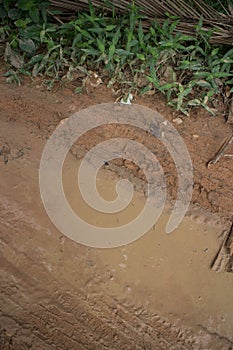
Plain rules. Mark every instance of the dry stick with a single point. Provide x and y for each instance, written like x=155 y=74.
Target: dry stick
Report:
x=56 y=18
x=220 y=152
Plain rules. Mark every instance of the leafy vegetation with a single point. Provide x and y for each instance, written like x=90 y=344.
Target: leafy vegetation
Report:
x=186 y=68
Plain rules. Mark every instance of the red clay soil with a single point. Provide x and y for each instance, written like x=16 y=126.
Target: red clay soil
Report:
x=44 y=307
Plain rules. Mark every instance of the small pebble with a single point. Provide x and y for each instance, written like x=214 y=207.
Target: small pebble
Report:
x=195 y=136
x=177 y=120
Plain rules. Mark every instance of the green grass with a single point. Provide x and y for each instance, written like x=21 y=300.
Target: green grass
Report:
x=188 y=70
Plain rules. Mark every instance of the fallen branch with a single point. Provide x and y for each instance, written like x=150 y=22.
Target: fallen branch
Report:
x=221 y=151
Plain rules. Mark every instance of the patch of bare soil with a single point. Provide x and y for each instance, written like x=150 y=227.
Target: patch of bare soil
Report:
x=202 y=133
x=56 y=294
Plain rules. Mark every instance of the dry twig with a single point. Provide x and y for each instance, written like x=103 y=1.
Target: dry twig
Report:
x=221 y=151
x=220 y=23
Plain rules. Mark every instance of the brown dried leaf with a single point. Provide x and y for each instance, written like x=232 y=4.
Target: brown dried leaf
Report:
x=12 y=57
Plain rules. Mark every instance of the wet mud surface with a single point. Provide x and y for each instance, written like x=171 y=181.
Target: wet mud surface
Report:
x=156 y=293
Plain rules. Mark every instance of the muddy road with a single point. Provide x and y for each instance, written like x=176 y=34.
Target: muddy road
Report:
x=156 y=293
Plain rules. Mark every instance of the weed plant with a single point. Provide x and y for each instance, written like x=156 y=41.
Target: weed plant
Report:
x=188 y=70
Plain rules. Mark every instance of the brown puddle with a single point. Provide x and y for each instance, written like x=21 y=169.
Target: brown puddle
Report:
x=166 y=272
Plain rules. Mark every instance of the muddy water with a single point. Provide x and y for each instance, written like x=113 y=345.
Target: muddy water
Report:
x=170 y=273
x=164 y=274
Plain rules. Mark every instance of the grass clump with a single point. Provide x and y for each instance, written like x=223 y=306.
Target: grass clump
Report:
x=187 y=69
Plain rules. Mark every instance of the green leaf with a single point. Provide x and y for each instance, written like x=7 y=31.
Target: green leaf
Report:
x=153 y=33
x=202 y=74
x=190 y=48
x=184 y=111
x=207 y=108
x=229 y=82
x=187 y=38
x=122 y=52
x=27 y=45
x=228 y=54
x=25 y=5
x=169 y=86
x=14 y=14
x=214 y=52
x=83 y=32
x=25 y=72
x=34 y=14
x=76 y=40
x=6 y=4
x=132 y=43
x=214 y=75
x=3 y=12
x=211 y=93
x=91 y=52
x=96 y=30
x=173 y=26
x=140 y=32
x=141 y=57
x=111 y=52
x=116 y=36
x=101 y=46
x=22 y=23
x=110 y=27
x=79 y=90
x=145 y=89
x=203 y=83
x=227 y=60
x=195 y=102
x=13 y=77
x=179 y=102
x=35 y=59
